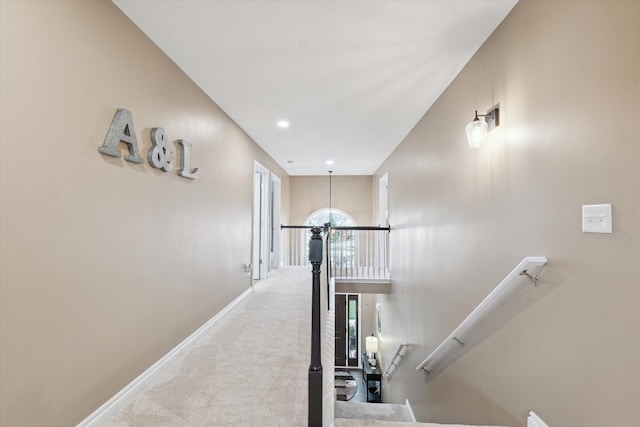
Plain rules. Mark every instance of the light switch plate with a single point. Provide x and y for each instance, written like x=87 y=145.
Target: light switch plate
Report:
x=596 y=219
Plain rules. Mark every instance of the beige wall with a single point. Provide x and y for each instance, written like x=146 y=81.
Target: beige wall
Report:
x=106 y=265
x=566 y=76
x=367 y=318
x=350 y=193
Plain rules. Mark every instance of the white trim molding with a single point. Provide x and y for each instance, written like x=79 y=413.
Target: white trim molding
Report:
x=408 y=405
x=124 y=396
x=534 y=420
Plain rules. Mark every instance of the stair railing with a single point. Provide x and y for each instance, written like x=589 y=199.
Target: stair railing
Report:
x=395 y=360
x=295 y=241
x=468 y=333
x=359 y=252
x=338 y=257
x=354 y=253
x=315 y=368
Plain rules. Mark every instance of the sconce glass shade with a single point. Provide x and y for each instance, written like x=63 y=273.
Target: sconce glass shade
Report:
x=477 y=133
x=372 y=344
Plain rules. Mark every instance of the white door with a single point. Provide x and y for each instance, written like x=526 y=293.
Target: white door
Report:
x=275 y=222
x=260 y=256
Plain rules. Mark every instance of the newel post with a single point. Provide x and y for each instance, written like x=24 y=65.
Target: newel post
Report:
x=315 y=368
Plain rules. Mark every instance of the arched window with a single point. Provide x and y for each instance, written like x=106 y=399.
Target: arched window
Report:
x=342 y=244
x=335 y=216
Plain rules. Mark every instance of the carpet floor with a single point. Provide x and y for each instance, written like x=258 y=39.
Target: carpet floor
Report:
x=227 y=378
x=372 y=411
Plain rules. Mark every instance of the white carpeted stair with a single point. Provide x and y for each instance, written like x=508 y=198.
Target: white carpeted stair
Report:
x=201 y=384
x=343 y=422
x=372 y=411
x=358 y=414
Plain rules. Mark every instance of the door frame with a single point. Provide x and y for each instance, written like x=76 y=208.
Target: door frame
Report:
x=275 y=200
x=384 y=200
x=341 y=308
x=354 y=362
x=260 y=236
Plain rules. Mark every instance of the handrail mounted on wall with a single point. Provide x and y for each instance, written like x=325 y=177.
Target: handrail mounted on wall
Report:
x=397 y=358
x=452 y=347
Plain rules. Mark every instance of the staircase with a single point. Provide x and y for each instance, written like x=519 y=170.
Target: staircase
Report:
x=371 y=411
x=199 y=384
x=358 y=414
x=343 y=422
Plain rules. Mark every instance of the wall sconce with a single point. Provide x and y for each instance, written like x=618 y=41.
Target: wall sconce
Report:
x=477 y=129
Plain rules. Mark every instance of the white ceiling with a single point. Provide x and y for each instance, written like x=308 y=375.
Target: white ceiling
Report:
x=352 y=77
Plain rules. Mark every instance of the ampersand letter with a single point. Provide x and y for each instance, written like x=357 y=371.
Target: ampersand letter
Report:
x=159 y=154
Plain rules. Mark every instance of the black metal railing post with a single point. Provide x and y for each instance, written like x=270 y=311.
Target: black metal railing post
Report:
x=315 y=368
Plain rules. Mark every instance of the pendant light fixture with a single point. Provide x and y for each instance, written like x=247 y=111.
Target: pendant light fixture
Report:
x=330 y=211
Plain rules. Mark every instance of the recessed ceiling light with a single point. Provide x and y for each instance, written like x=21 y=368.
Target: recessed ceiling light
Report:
x=289 y=161
x=283 y=124
x=329 y=162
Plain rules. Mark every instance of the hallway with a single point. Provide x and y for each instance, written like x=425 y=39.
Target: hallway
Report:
x=249 y=368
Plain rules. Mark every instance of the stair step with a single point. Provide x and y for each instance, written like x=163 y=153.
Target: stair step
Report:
x=343 y=422
x=372 y=411
x=359 y=414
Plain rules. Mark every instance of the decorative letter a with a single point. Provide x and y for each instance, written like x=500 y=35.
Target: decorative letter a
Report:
x=121 y=130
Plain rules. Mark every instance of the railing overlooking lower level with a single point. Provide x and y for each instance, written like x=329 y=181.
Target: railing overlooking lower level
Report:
x=321 y=368
x=354 y=253
x=295 y=245
x=315 y=367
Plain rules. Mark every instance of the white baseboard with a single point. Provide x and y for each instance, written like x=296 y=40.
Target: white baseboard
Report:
x=408 y=405
x=122 y=398
x=534 y=420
